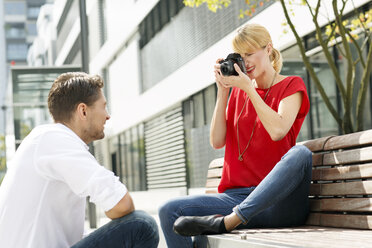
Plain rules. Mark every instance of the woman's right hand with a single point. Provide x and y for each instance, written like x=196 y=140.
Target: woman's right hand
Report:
x=217 y=73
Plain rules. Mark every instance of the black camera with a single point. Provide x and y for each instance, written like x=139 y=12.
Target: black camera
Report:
x=227 y=65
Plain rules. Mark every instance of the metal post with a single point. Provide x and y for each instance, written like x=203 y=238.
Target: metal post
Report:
x=85 y=68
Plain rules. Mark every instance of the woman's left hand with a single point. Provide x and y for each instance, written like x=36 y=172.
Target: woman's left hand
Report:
x=241 y=81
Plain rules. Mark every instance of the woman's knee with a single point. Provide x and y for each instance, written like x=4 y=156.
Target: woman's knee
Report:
x=303 y=153
x=167 y=209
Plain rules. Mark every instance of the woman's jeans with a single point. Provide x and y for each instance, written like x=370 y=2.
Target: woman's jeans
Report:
x=136 y=229
x=280 y=200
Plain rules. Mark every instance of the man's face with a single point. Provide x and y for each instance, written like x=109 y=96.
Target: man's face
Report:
x=96 y=118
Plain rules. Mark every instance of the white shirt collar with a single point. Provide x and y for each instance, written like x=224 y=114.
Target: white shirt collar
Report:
x=73 y=133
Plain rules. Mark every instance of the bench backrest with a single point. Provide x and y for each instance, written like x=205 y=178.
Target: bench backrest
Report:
x=341 y=189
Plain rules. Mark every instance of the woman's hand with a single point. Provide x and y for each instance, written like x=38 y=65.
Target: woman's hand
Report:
x=218 y=74
x=241 y=81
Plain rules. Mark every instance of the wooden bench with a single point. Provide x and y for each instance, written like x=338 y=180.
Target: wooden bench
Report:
x=340 y=199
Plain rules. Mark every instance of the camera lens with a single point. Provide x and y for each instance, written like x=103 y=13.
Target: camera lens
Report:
x=227 y=68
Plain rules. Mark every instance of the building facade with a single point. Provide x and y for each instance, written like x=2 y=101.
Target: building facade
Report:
x=157 y=57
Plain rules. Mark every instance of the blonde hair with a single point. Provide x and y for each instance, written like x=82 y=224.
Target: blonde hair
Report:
x=251 y=37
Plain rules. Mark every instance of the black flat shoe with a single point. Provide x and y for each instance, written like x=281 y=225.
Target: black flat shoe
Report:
x=199 y=225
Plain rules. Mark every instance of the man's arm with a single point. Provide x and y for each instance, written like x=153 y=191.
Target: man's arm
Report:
x=123 y=207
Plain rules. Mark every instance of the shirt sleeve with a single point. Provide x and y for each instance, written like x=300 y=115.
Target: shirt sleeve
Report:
x=60 y=156
x=296 y=84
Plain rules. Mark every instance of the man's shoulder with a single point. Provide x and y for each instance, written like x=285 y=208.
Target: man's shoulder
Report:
x=53 y=132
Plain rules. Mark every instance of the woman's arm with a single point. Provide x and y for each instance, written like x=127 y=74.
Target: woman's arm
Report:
x=218 y=123
x=277 y=124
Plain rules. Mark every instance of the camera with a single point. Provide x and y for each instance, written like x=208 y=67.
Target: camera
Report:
x=227 y=65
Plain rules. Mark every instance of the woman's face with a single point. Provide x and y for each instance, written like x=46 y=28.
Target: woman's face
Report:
x=256 y=62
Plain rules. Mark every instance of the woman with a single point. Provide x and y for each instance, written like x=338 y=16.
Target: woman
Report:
x=265 y=179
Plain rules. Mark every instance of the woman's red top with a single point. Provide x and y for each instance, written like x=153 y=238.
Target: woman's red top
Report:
x=262 y=153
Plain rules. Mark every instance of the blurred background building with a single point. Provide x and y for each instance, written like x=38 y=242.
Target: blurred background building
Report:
x=17 y=32
x=157 y=57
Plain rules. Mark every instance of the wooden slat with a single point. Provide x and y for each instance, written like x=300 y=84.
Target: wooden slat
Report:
x=342 y=204
x=295 y=237
x=344 y=188
x=317 y=159
x=211 y=191
x=343 y=173
x=315 y=145
x=214 y=173
x=349 y=140
x=348 y=157
x=216 y=163
x=213 y=183
x=340 y=220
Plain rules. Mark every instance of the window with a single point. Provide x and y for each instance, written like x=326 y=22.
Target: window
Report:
x=33 y=12
x=17 y=51
x=15 y=8
x=102 y=21
x=31 y=29
x=15 y=31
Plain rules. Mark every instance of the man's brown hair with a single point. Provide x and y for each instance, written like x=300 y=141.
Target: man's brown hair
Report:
x=71 y=89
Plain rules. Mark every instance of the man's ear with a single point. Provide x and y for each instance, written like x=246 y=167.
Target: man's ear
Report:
x=81 y=110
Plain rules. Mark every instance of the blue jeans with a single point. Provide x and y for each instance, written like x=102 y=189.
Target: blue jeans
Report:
x=136 y=229
x=280 y=200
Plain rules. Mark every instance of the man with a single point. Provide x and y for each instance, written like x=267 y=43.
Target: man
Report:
x=43 y=195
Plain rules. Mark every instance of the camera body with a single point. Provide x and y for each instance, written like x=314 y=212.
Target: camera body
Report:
x=227 y=65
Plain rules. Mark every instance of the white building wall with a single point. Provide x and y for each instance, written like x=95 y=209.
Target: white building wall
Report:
x=189 y=79
x=123 y=88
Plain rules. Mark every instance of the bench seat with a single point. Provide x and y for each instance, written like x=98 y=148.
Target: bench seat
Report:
x=304 y=236
x=340 y=199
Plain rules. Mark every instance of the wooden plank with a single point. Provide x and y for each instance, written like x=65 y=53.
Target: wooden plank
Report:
x=211 y=191
x=342 y=204
x=214 y=173
x=348 y=156
x=216 y=163
x=349 y=140
x=317 y=159
x=344 y=188
x=213 y=183
x=315 y=144
x=342 y=173
x=299 y=237
x=340 y=220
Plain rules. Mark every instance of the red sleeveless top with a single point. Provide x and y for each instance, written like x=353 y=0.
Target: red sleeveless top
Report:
x=262 y=153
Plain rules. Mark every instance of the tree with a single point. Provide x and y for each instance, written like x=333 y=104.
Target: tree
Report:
x=340 y=32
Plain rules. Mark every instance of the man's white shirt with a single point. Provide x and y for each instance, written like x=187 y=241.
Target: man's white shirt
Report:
x=43 y=195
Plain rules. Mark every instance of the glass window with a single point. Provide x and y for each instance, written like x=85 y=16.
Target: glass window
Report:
x=115 y=156
x=15 y=8
x=17 y=51
x=210 y=102
x=293 y=65
x=324 y=123
x=15 y=30
x=198 y=104
x=198 y=111
x=31 y=29
x=33 y=12
x=102 y=21
x=124 y=159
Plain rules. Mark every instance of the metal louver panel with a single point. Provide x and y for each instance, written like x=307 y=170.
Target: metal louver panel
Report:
x=165 y=151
